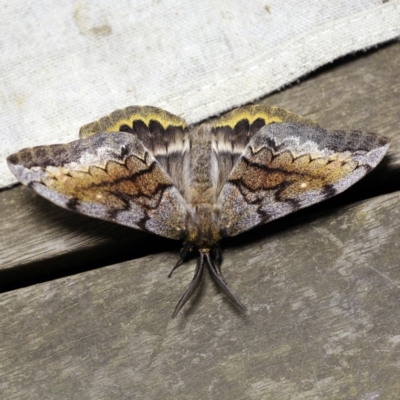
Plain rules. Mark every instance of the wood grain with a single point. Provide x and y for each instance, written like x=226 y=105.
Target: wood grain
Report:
x=323 y=321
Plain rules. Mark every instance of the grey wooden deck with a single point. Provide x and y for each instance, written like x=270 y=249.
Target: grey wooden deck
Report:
x=86 y=305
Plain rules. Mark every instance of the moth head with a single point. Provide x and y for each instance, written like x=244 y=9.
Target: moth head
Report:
x=203 y=226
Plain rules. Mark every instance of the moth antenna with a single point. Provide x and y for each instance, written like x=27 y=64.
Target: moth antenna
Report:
x=185 y=250
x=198 y=273
x=220 y=281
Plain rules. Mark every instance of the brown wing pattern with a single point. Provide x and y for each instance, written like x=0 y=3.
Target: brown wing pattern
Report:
x=111 y=176
x=286 y=167
x=232 y=132
x=164 y=134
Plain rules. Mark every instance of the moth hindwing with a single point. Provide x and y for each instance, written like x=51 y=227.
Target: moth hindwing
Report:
x=142 y=167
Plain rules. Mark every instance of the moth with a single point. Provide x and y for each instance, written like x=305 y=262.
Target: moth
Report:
x=144 y=168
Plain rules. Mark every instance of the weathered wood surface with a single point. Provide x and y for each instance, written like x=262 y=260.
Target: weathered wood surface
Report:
x=323 y=322
x=322 y=286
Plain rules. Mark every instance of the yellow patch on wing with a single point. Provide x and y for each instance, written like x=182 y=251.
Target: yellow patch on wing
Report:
x=269 y=114
x=128 y=116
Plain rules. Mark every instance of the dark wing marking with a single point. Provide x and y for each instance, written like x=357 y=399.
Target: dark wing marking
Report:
x=111 y=176
x=232 y=132
x=164 y=134
x=286 y=167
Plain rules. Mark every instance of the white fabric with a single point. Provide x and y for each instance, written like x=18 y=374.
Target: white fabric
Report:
x=66 y=63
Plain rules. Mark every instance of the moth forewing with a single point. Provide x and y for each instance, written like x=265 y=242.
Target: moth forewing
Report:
x=286 y=167
x=110 y=176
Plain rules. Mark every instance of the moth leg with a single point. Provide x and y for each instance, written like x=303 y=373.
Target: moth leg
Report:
x=193 y=285
x=185 y=251
x=220 y=281
x=217 y=255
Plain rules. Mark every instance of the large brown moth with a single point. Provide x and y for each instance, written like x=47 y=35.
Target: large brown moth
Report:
x=143 y=167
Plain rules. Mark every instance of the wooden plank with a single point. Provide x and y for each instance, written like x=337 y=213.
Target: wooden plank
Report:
x=324 y=320
x=41 y=241
x=361 y=92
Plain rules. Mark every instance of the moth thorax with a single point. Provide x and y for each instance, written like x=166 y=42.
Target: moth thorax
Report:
x=202 y=226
